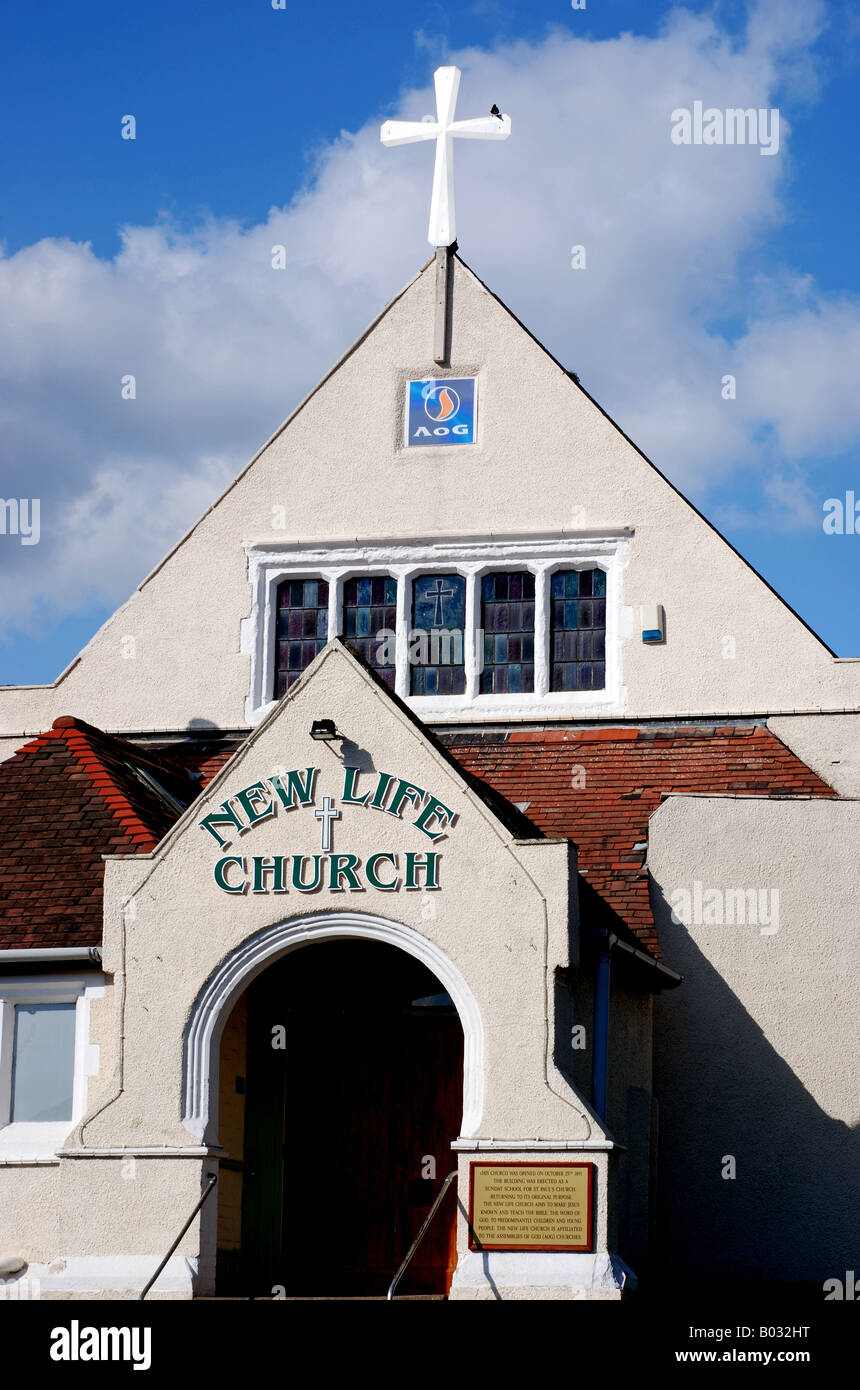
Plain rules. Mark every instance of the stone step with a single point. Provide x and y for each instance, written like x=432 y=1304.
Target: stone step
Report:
x=322 y=1298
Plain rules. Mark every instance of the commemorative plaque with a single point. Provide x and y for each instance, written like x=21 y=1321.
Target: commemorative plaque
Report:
x=530 y=1206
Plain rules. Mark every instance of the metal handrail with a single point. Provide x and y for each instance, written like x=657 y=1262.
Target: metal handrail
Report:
x=420 y=1236
x=213 y=1178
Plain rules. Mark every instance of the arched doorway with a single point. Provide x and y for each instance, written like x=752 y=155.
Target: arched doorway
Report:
x=341 y=1089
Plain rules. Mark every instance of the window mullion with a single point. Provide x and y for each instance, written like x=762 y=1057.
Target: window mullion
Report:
x=79 y=1075
x=404 y=609
x=335 y=604
x=7 y=1014
x=541 y=631
x=472 y=636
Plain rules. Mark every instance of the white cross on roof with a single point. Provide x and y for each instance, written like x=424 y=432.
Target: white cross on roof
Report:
x=443 y=130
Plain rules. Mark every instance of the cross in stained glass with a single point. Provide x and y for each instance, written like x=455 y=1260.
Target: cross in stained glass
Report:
x=439 y=594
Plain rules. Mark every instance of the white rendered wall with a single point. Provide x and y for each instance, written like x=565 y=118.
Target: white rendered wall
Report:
x=756 y=1053
x=828 y=743
x=548 y=463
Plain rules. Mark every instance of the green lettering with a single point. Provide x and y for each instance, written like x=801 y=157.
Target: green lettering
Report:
x=372 y=876
x=350 y=774
x=225 y=816
x=343 y=865
x=435 y=808
x=247 y=798
x=298 y=863
x=274 y=865
x=296 y=792
x=405 y=792
x=381 y=789
x=220 y=872
x=421 y=863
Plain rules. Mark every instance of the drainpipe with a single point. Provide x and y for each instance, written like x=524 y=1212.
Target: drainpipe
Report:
x=600 y=1063
x=668 y=979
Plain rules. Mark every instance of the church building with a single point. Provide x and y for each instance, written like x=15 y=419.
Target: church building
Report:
x=452 y=799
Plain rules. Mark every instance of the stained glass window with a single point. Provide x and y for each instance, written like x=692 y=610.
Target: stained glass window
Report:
x=508 y=622
x=436 y=645
x=302 y=628
x=578 y=631
x=370 y=621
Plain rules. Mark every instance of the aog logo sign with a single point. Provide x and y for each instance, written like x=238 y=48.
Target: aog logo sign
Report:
x=441 y=410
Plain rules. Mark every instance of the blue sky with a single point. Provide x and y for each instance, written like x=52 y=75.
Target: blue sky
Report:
x=257 y=125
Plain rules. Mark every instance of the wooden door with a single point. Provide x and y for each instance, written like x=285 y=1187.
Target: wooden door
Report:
x=346 y=1124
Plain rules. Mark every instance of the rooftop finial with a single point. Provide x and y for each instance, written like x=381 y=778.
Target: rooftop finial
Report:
x=442 y=231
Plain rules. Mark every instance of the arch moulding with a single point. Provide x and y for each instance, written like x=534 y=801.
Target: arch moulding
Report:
x=216 y=999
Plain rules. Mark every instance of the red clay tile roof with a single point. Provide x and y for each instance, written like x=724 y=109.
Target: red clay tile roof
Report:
x=71 y=791
x=203 y=756
x=67 y=798
x=599 y=787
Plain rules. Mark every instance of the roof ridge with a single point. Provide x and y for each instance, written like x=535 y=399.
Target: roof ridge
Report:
x=76 y=736
x=47 y=735
x=103 y=798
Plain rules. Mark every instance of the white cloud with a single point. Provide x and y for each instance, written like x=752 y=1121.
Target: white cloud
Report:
x=799 y=368
x=222 y=345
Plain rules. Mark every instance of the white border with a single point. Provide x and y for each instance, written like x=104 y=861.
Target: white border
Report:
x=472 y=559
x=34 y=1142
x=215 y=1001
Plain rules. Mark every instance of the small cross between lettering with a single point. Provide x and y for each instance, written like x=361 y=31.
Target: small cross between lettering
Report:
x=326 y=815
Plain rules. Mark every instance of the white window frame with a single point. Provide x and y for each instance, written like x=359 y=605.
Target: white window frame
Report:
x=35 y=1141
x=607 y=550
